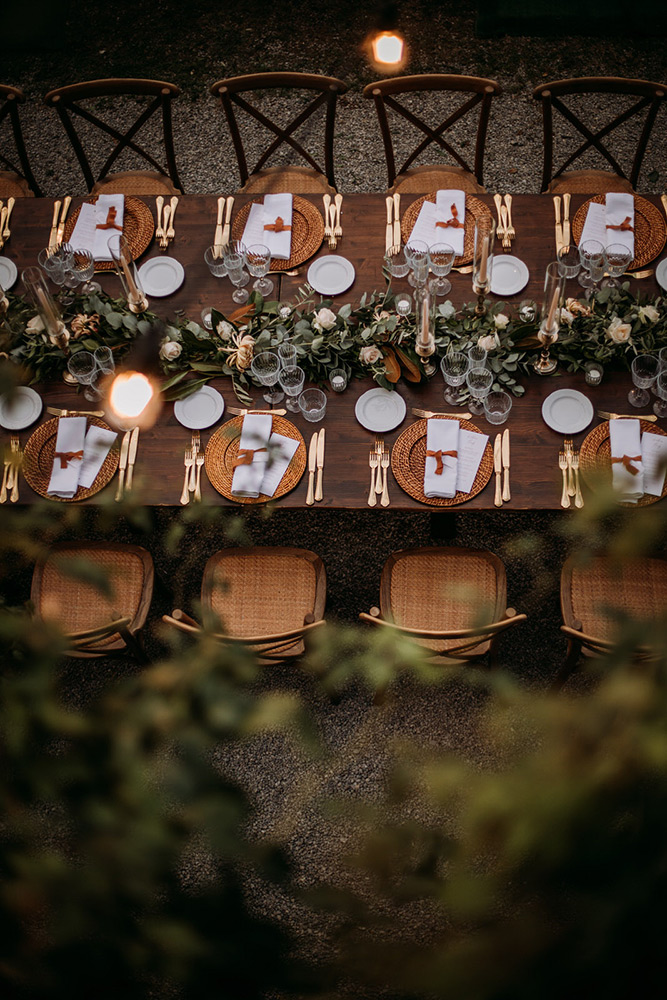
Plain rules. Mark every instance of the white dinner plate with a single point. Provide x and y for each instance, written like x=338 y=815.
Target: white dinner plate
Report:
x=509 y=275
x=380 y=410
x=331 y=275
x=20 y=408
x=660 y=274
x=8 y=273
x=161 y=276
x=201 y=409
x=567 y=411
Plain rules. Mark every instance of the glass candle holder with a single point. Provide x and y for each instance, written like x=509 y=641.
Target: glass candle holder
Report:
x=126 y=270
x=46 y=306
x=554 y=285
x=482 y=265
x=593 y=373
x=338 y=379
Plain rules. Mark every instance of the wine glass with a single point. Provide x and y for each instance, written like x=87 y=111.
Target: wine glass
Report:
x=397 y=262
x=617 y=259
x=83 y=367
x=266 y=369
x=442 y=257
x=479 y=382
x=52 y=264
x=291 y=379
x=477 y=356
x=660 y=388
x=83 y=266
x=417 y=255
x=104 y=360
x=645 y=369
x=454 y=367
x=233 y=258
x=591 y=255
x=287 y=354
x=258 y=260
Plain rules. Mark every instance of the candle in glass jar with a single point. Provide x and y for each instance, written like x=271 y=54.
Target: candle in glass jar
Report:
x=425 y=324
x=553 y=306
x=484 y=253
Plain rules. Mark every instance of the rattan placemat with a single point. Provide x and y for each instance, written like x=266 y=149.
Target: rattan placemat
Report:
x=223 y=448
x=650 y=232
x=307 y=231
x=408 y=458
x=138 y=228
x=474 y=209
x=595 y=460
x=38 y=462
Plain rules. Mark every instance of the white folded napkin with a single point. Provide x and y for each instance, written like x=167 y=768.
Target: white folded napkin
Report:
x=275 y=206
x=247 y=479
x=654 y=460
x=625 y=441
x=425 y=229
x=281 y=452
x=441 y=436
x=471 y=450
x=68 y=456
x=620 y=207
x=594 y=225
x=87 y=236
x=95 y=450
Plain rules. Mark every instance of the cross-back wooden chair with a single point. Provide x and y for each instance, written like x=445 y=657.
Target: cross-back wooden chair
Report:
x=265 y=598
x=96 y=624
x=162 y=179
x=591 y=181
x=451 y=601
x=295 y=179
x=476 y=96
x=591 y=592
x=18 y=180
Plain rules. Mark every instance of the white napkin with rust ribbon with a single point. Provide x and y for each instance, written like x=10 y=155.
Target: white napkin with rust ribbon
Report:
x=281 y=452
x=654 y=460
x=442 y=447
x=70 y=440
x=442 y=222
x=275 y=212
x=620 y=220
x=95 y=449
x=253 y=455
x=627 y=470
x=97 y=223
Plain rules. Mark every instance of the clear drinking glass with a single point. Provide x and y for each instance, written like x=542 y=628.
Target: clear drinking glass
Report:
x=477 y=356
x=662 y=358
x=53 y=265
x=258 y=260
x=497 y=406
x=83 y=266
x=479 y=382
x=287 y=354
x=645 y=369
x=416 y=253
x=397 y=262
x=591 y=255
x=403 y=303
x=313 y=404
x=291 y=379
x=83 y=367
x=266 y=369
x=442 y=257
x=215 y=264
x=569 y=261
x=454 y=367
x=617 y=260
x=660 y=406
x=104 y=360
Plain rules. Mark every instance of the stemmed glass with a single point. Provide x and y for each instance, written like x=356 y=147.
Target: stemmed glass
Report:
x=645 y=369
x=417 y=255
x=479 y=382
x=266 y=369
x=83 y=367
x=442 y=257
x=104 y=360
x=233 y=256
x=591 y=255
x=287 y=354
x=660 y=388
x=291 y=380
x=258 y=260
x=617 y=259
x=83 y=266
x=477 y=356
x=454 y=367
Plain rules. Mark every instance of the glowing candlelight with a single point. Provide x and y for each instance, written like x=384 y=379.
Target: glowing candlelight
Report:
x=388 y=49
x=130 y=394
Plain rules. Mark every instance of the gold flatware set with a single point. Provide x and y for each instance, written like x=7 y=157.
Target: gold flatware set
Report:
x=10 y=474
x=379 y=460
x=164 y=231
x=223 y=225
x=128 y=455
x=568 y=463
x=505 y=230
x=57 y=234
x=5 y=216
x=501 y=467
x=392 y=237
x=333 y=230
x=193 y=462
x=315 y=467
x=562 y=228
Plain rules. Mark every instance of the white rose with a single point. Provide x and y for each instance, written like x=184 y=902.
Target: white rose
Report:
x=35 y=325
x=224 y=330
x=370 y=354
x=170 y=350
x=649 y=313
x=325 y=319
x=618 y=331
x=501 y=321
x=566 y=317
x=285 y=311
x=487 y=343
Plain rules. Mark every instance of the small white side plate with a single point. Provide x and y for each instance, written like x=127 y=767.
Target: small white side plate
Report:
x=202 y=409
x=567 y=411
x=509 y=275
x=8 y=273
x=161 y=276
x=331 y=275
x=380 y=410
x=660 y=274
x=20 y=408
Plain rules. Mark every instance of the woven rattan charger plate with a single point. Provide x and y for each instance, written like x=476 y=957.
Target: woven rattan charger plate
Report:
x=650 y=233
x=38 y=462
x=595 y=460
x=138 y=229
x=408 y=458
x=307 y=231
x=223 y=448
x=475 y=209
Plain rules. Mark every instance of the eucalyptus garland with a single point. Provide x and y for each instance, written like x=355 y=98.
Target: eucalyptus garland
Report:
x=371 y=340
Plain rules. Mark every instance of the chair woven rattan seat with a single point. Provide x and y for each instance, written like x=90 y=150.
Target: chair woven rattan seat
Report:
x=422 y=180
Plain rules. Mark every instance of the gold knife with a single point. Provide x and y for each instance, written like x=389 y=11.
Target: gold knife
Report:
x=217 y=240
x=500 y=229
x=241 y=412
x=159 y=229
x=559 y=228
x=506 y=465
x=3 y=217
x=228 y=220
x=320 y=463
x=132 y=454
x=627 y=416
x=430 y=413
x=312 y=465
x=53 y=238
x=397 y=219
x=10 y=207
x=74 y=413
x=389 y=231
x=122 y=465
x=566 y=220
x=63 y=218
x=663 y=199
x=498 y=469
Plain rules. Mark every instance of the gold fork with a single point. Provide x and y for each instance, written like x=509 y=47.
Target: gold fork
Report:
x=379 y=448
x=333 y=242
x=195 y=452
x=373 y=462
x=578 y=497
x=166 y=214
x=511 y=232
x=17 y=456
x=384 y=462
x=562 y=465
x=5 y=477
x=569 y=451
x=199 y=461
x=159 y=230
x=338 y=229
x=171 y=233
x=507 y=242
x=188 y=461
x=500 y=229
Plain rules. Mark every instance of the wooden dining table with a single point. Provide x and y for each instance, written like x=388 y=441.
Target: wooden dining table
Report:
x=535 y=476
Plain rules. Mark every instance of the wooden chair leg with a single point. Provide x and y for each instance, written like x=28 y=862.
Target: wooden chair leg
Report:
x=134 y=645
x=570 y=665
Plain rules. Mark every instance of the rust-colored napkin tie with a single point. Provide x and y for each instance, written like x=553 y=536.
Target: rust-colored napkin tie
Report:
x=278 y=226
x=437 y=455
x=111 y=221
x=453 y=223
x=66 y=457
x=624 y=227
x=627 y=461
x=245 y=456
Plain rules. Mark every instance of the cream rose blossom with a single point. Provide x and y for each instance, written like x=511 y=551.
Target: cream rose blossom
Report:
x=170 y=350
x=618 y=331
x=648 y=313
x=487 y=343
x=566 y=317
x=370 y=354
x=501 y=321
x=324 y=319
x=224 y=330
x=35 y=325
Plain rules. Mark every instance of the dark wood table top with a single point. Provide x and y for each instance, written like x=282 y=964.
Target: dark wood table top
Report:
x=535 y=477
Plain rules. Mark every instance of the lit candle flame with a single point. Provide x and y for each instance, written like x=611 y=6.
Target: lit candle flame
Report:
x=388 y=48
x=130 y=394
